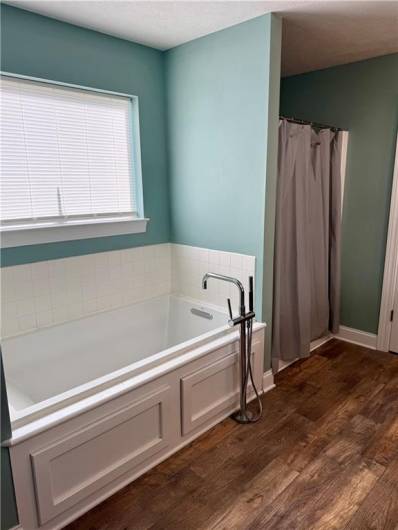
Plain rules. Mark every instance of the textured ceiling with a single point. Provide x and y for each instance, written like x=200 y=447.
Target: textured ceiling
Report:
x=315 y=34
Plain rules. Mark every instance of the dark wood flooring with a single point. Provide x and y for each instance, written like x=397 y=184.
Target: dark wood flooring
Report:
x=324 y=456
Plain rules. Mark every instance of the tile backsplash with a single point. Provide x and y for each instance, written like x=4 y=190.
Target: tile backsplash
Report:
x=189 y=264
x=51 y=292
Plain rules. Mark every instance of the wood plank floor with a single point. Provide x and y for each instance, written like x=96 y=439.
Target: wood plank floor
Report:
x=324 y=456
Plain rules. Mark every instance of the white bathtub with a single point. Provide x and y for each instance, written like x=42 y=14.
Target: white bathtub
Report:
x=50 y=367
x=97 y=402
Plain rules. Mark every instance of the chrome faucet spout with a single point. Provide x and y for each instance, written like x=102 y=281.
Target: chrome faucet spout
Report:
x=229 y=279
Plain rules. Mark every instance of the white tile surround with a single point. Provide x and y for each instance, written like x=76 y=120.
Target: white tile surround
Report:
x=55 y=291
x=50 y=292
x=189 y=264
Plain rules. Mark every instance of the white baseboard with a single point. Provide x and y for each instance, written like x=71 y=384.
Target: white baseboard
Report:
x=320 y=342
x=268 y=381
x=356 y=336
x=313 y=346
x=284 y=364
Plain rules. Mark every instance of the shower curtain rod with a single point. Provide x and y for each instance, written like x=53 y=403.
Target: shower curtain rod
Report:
x=312 y=123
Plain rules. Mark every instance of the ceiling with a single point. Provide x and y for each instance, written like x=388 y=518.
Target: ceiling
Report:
x=315 y=34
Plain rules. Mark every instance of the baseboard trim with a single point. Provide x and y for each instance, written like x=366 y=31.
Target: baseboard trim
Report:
x=313 y=346
x=320 y=342
x=356 y=336
x=284 y=364
x=268 y=381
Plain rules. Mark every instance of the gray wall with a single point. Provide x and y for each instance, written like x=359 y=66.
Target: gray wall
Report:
x=363 y=98
x=271 y=181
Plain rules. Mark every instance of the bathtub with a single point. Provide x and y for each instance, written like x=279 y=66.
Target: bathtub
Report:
x=96 y=402
x=51 y=367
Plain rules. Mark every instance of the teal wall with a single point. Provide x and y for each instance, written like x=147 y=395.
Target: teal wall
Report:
x=38 y=46
x=222 y=93
x=42 y=47
x=217 y=100
x=218 y=86
x=363 y=98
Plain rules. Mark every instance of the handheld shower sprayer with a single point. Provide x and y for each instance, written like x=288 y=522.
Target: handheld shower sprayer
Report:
x=250 y=293
x=245 y=322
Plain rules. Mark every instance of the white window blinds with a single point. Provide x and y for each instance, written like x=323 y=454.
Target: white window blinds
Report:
x=66 y=153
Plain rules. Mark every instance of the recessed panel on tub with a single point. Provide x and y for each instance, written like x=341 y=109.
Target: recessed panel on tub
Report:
x=209 y=391
x=78 y=465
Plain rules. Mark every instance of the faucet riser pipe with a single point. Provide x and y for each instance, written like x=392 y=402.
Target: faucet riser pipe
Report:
x=243 y=415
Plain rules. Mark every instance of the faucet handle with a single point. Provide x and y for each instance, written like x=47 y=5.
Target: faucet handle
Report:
x=251 y=306
x=229 y=308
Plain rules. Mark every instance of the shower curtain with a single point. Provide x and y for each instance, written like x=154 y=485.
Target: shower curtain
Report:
x=307 y=239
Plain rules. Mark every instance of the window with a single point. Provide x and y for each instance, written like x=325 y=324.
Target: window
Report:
x=67 y=157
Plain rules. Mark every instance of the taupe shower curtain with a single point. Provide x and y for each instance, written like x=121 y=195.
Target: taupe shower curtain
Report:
x=307 y=239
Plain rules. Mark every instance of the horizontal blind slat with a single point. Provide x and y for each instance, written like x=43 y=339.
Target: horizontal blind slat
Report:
x=65 y=152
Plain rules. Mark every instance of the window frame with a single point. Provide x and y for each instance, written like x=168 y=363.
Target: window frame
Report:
x=19 y=234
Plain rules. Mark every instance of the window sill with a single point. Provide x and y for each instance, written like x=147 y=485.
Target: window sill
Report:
x=17 y=236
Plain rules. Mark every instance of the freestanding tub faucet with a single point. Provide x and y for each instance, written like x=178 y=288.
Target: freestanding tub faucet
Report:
x=229 y=279
x=245 y=320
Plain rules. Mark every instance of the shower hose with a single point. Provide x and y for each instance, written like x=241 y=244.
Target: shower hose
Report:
x=255 y=417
